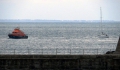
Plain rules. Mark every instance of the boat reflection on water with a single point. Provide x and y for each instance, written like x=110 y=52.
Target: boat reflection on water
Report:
x=18 y=34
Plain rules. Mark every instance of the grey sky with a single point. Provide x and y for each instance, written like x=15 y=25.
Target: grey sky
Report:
x=60 y=9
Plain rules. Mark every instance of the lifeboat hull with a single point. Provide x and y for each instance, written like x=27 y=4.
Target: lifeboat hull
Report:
x=17 y=37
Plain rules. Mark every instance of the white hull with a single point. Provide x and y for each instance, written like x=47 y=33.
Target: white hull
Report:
x=103 y=36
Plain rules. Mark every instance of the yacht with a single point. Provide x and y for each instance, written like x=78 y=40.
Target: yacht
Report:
x=102 y=34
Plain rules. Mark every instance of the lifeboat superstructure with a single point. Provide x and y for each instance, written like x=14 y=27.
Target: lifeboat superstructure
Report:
x=17 y=34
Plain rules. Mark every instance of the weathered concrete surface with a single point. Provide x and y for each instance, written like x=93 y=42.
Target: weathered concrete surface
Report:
x=118 y=47
x=60 y=62
x=117 y=51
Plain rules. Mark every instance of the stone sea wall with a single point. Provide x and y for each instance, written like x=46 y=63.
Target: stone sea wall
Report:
x=60 y=62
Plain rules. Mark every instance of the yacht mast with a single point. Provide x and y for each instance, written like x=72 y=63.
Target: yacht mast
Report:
x=101 y=18
x=103 y=35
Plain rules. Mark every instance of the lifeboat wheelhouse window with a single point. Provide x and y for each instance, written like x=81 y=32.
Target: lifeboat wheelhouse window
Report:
x=14 y=32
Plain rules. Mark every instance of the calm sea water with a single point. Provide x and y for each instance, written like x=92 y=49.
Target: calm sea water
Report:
x=61 y=37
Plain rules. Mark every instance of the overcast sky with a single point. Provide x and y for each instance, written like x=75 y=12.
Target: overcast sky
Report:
x=60 y=9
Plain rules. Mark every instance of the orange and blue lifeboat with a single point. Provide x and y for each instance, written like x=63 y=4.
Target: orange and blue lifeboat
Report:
x=17 y=34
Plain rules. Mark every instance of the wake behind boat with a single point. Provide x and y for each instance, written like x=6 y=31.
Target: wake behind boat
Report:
x=17 y=34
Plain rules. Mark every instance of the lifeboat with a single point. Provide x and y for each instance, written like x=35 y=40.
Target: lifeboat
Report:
x=17 y=34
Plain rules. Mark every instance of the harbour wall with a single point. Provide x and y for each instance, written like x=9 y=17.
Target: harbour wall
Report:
x=60 y=62
x=108 y=61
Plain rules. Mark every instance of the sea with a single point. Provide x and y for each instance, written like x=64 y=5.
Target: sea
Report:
x=59 y=38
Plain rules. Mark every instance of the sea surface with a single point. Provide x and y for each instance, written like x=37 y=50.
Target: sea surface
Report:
x=59 y=38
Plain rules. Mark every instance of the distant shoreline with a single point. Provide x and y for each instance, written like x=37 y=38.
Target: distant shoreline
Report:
x=2 y=20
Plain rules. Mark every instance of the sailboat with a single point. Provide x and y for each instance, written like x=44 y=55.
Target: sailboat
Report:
x=102 y=34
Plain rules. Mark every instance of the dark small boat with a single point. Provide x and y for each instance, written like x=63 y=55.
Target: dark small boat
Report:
x=17 y=34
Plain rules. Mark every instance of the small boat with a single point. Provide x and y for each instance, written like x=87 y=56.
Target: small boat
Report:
x=17 y=34
x=102 y=35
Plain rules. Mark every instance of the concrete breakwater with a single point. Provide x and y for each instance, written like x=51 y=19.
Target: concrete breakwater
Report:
x=60 y=62
x=108 y=61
